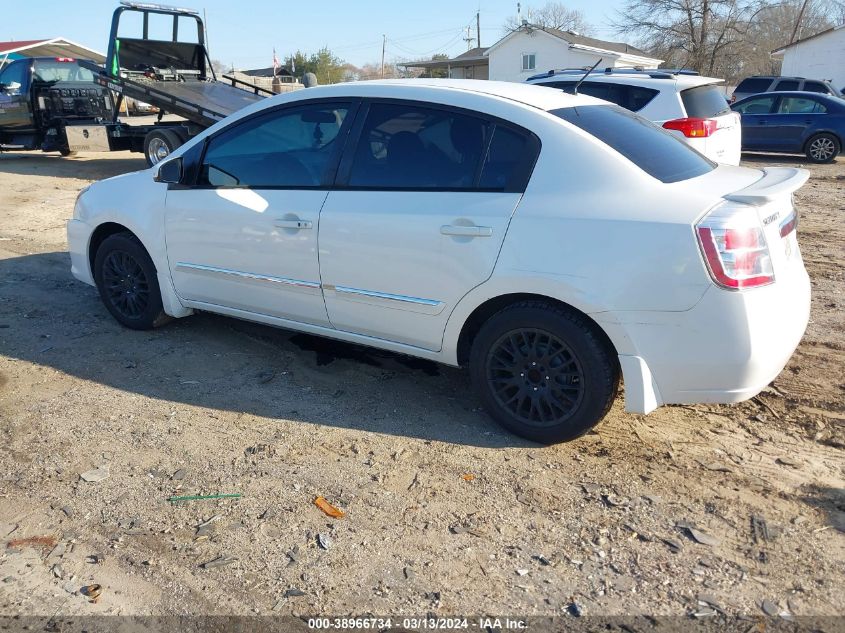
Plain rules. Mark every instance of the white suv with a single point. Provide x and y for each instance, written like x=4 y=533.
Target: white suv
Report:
x=691 y=106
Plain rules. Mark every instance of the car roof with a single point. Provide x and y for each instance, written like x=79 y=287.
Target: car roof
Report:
x=434 y=89
x=680 y=81
x=804 y=94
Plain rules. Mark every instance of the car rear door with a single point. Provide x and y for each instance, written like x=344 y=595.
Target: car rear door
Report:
x=244 y=237
x=794 y=114
x=417 y=217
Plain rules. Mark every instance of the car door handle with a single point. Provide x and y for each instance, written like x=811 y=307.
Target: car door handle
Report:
x=761 y=122
x=466 y=231
x=293 y=224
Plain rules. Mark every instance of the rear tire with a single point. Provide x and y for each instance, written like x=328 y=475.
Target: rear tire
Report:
x=128 y=283
x=822 y=148
x=159 y=144
x=543 y=372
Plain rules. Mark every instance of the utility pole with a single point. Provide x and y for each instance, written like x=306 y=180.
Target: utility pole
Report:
x=478 y=28
x=798 y=22
x=469 y=39
x=383 y=45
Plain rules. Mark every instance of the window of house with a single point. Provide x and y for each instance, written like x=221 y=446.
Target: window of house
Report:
x=290 y=148
x=529 y=61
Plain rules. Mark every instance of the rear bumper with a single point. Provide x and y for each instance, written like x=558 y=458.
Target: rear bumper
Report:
x=78 y=237
x=727 y=348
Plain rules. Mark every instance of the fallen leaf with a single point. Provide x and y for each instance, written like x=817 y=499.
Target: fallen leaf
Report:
x=33 y=541
x=468 y=476
x=329 y=509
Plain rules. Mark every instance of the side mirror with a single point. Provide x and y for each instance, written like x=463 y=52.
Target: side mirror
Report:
x=170 y=172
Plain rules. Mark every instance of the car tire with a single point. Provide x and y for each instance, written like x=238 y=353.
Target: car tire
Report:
x=544 y=372
x=128 y=282
x=159 y=144
x=822 y=148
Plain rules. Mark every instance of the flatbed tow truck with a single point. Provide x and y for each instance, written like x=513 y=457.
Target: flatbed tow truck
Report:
x=173 y=74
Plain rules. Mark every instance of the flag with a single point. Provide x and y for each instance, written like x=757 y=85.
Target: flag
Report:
x=276 y=65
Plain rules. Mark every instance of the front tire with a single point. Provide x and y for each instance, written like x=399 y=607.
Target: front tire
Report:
x=822 y=148
x=543 y=372
x=128 y=283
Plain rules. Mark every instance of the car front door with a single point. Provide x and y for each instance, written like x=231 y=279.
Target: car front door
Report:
x=15 y=110
x=244 y=236
x=417 y=217
x=756 y=121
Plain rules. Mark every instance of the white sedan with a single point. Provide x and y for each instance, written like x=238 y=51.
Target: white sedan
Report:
x=553 y=243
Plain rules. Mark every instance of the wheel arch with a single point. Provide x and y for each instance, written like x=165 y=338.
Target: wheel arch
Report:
x=818 y=132
x=99 y=235
x=472 y=324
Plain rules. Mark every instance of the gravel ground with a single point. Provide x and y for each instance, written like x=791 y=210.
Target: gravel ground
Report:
x=740 y=508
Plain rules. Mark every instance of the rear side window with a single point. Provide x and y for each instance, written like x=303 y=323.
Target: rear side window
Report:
x=816 y=86
x=289 y=148
x=405 y=146
x=787 y=84
x=797 y=105
x=754 y=85
x=654 y=150
x=632 y=98
x=704 y=101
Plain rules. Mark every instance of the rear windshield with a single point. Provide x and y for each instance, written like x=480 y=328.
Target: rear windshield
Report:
x=53 y=71
x=654 y=150
x=705 y=101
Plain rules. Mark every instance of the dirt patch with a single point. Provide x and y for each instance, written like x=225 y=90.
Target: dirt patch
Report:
x=739 y=504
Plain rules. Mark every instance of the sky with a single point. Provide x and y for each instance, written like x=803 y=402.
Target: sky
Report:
x=244 y=33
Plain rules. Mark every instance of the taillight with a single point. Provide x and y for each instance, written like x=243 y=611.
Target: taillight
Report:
x=693 y=127
x=735 y=248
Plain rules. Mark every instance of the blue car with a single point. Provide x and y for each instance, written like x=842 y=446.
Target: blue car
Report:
x=793 y=123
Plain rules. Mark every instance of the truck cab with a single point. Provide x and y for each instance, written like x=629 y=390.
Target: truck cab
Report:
x=41 y=96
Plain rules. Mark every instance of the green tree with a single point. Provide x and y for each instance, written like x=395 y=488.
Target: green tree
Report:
x=437 y=73
x=328 y=68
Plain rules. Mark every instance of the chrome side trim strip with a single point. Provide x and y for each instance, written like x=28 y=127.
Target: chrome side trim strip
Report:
x=237 y=273
x=384 y=295
x=387 y=300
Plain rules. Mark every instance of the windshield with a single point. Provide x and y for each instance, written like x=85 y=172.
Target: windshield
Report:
x=55 y=71
x=654 y=150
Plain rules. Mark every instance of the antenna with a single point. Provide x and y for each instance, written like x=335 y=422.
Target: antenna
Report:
x=580 y=81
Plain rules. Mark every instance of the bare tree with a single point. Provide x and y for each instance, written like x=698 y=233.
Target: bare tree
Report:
x=554 y=15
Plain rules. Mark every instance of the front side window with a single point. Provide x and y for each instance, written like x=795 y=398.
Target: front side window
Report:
x=529 y=61
x=797 y=105
x=763 y=105
x=405 y=146
x=14 y=77
x=290 y=148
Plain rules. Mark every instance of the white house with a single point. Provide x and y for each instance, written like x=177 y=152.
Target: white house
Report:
x=820 y=56
x=531 y=49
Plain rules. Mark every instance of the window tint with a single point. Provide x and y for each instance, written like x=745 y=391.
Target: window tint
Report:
x=797 y=105
x=652 y=149
x=53 y=71
x=754 y=85
x=403 y=146
x=406 y=147
x=632 y=98
x=816 y=86
x=14 y=76
x=510 y=160
x=761 y=105
x=292 y=148
x=705 y=101
x=787 y=84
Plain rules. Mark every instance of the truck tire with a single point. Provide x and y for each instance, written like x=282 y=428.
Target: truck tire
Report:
x=159 y=144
